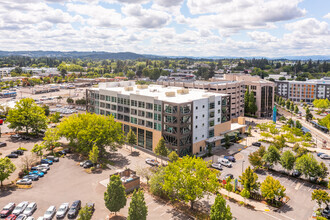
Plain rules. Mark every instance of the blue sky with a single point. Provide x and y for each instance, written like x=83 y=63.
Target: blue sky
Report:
x=269 y=28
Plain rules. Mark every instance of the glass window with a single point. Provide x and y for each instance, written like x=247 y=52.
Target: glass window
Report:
x=141 y=137
x=149 y=105
x=149 y=140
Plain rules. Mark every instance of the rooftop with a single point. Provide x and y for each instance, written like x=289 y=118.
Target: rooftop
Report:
x=169 y=94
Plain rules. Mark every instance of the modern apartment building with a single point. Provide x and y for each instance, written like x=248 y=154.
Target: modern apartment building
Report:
x=188 y=119
x=306 y=91
x=235 y=85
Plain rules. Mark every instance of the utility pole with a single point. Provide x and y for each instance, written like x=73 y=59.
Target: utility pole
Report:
x=243 y=165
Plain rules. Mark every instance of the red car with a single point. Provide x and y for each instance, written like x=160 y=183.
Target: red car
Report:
x=7 y=210
x=11 y=217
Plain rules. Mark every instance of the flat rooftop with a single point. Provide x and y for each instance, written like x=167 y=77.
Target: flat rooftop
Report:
x=169 y=94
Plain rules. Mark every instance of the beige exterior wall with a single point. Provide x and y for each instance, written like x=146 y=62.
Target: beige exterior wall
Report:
x=196 y=146
x=156 y=135
x=220 y=128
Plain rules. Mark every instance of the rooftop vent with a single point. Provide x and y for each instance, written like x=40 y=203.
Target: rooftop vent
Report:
x=142 y=86
x=170 y=94
x=129 y=88
x=183 y=91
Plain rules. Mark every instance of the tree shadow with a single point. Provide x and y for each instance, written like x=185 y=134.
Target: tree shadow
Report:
x=178 y=215
x=284 y=209
x=134 y=154
x=117 y=159
x=6 y=191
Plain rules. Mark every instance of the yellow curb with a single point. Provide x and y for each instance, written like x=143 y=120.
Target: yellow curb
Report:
x=239 y=149
x=267 y=210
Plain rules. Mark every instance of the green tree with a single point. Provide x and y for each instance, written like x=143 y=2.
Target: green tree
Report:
x=321 y=104
x=249 y=180
x=296 y=109
x=272 y=189
x=86 y=130
x=272 y=155
x=245 y=193
x=309 y=115
x=38 y=149
x=182 y=179
x=69 y=100
x=287 y=160
x=252 y=104
x=288 y=104
x=173 y=156
x=308 y=165
x=219 y=210
x=131 y=138
x=115 y=196
x=321 y=196
x=85 y=213
x=27 y=116
x=51 y=139
x=291 y=107
x=255 y=160
x=323 y=171
x=138 y=209
x=227 y=141
x=161 y=150
x=249 y=131
x=6 y=168
x=298 y=124
x=280 y=142
x=246 y=101
x=94 y=154
x=55 y=118
x=229 y=186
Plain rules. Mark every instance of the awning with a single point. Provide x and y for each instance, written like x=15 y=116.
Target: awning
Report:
x=214 y=139
x=234 y=127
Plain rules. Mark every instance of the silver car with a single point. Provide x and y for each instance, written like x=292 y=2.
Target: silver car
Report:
x=30 y=209
x=49 y=214
x=225 y=162
x=62 y=210
x=30 y=218
x=21 y=217
x=216 y=166
x=20 y=208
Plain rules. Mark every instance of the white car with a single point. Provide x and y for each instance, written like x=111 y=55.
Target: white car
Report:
x=20 y=208
x=225 y=162
x=45 y=166
x=24 y=182
x=30 y=218
x=152 y=162
x=30 y=209
x=325 y=156
x=49 y=214
x=62 y=210
x=216 y=166
x=21 y=217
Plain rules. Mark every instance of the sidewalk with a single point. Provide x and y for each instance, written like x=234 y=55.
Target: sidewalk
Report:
x=257 y=205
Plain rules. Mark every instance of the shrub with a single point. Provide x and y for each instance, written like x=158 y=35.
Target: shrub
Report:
x=22 y=148
x=241 y=203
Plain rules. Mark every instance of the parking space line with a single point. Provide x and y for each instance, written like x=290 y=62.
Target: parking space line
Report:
x=150 y=203
x=157 y=207
x=271 y=216
x=163 y=213
x=286 y=216
x=297 y=186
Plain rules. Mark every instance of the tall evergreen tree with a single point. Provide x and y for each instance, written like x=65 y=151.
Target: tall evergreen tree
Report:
x=115 y=196
x=219 y=210
x=131 y=138
x=138 y=209
x=252 y=103
x=161 y=149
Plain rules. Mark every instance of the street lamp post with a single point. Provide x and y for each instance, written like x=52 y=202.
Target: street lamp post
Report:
x=243 y=165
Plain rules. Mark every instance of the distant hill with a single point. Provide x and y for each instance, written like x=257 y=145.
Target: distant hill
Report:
x=134 y=56
x=75 y=54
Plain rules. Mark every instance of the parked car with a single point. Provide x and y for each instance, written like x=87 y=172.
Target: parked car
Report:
x=225 y=162
x=41 y=218
x=12 y=156
x=44 y=166
x=152 y=162
x=229 y=175
x=52 y=158
x=216 y=166
x=49 y=214
x=30 y=209
x=30 y=218
x=313 y=179
x=62 y=210
x=257 y=144
x=74 y=209
x=18 y=152
x=230 y=158
x=62 y=152
x=11 y=217
x=20 y=208
x=7 y=210
x=21 y=217
x=319 y=154
x=325 y=156
x=40 y=169
x=24 y=182
x=32 y=177
x=41 y=174
x=296 y=173
x=91 y=207
x=86 y=161
x=326 y=212
x=46 y=161
x=3 y=144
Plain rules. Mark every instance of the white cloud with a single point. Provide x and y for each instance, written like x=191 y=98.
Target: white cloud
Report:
x=263 y=37
x=327 y=16
x=310 y=26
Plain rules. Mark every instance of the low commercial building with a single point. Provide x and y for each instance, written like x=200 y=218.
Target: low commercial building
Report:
x=305 y=91
x=189 y=120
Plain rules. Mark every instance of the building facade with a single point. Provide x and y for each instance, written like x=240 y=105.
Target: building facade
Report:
x=306 y=91
x=235 y=85
x=187 y=119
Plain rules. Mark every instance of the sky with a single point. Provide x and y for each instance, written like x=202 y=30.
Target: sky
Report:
x=199 y=28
